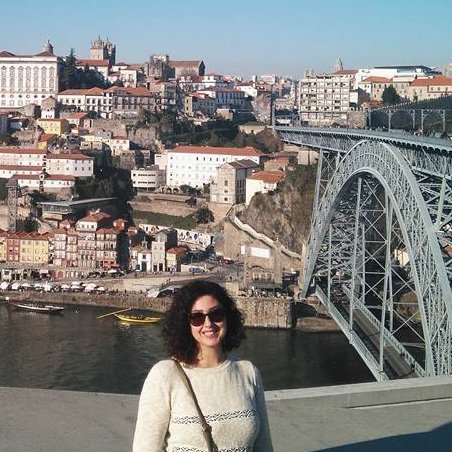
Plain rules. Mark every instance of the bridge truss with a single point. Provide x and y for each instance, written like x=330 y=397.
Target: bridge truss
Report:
x=380 y=250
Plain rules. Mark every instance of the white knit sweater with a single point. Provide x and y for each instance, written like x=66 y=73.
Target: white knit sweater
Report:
x=231 y=398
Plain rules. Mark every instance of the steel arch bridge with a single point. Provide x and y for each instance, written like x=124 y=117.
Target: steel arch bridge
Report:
x=379 y=255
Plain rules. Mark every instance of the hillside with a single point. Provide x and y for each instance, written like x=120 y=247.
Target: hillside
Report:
x=285 y=214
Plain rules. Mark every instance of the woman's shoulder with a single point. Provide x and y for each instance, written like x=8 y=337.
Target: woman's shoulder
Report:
x=162 y=369
x=244 y=366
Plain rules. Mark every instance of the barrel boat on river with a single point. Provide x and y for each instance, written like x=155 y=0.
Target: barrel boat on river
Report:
x=136 y=318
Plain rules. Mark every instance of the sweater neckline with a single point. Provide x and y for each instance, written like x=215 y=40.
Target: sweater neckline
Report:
x=224 y=365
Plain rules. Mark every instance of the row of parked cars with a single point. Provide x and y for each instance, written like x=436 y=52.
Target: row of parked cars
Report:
x=74 y=286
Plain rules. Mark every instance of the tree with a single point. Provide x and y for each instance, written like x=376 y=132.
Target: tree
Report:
x=390 y=96
x=69 y=77
x=203 y=215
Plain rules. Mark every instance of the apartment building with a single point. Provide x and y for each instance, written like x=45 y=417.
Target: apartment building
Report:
x=325 y=99
x=76 y=165
x=197 y=165
x=94 y=99
x=149 y=178
x=25 y=248
x=230 y=184
x=53 y=126
x=27 y=79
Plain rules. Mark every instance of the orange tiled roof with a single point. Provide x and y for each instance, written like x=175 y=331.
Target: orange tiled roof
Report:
x=95 y=216
x=435 y=81
x=103 y=63
x=269 y=177
x=18 y=150
x=374 y=79
x=21 y=167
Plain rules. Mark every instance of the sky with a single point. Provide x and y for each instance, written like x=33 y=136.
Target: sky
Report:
x=239 y=37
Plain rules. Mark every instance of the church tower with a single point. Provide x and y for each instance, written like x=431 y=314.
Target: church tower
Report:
x=103 y=50
x=338 y=66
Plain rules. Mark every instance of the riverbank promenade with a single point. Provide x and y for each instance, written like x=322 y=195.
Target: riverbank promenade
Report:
x=406 y=415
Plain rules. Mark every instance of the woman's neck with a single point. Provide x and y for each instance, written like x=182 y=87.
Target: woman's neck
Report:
x=210 y=357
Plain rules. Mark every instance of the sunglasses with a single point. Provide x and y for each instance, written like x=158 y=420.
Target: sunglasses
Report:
x=215 y=316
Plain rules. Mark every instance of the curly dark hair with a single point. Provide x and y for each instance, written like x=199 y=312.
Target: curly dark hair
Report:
x=176 y=326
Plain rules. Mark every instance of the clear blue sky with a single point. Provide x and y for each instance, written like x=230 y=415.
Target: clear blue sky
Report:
x=240 y=37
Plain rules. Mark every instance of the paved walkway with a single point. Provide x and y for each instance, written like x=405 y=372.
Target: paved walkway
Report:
x=408 y=415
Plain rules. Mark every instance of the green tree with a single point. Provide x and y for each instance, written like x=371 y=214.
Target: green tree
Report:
x=69 y=74
x=390 y=96
x=203 y=215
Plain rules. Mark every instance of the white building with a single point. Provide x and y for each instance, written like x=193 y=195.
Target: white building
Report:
x=262 y=182
x=324 y=99
x=45 y=182
x=230 y=184
x=225 y=97
x=26 y=79
x=94 y=99
x=26 y=157
x=77 y=165
x=149 y=178
x=395 y=72
x=197 y=165
x=117 y=145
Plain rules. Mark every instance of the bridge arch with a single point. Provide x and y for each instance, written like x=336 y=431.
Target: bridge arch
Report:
x=377 y=170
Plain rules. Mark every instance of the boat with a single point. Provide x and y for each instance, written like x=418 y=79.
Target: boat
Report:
x=36 y=307
x=136 y=318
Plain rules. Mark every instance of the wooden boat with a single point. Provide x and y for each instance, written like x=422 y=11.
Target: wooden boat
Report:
x=136 y=318
x=36 y=307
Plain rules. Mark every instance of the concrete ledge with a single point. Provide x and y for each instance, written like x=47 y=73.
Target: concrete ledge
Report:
x=412 y=415
x=371 y=394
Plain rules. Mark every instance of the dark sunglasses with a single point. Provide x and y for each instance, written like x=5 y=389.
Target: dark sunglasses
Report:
x=215 y=316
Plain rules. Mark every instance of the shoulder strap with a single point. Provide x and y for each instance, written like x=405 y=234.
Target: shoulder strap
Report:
x=206 y=428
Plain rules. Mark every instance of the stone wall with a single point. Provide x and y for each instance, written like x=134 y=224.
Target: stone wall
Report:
x=258 y=312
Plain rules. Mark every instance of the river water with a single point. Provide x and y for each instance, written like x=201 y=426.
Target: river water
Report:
x=77 y=351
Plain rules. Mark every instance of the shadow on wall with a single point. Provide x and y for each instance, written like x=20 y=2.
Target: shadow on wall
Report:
x=437 y=440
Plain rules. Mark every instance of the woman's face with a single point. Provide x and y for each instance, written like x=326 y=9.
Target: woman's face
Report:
x=211 y=331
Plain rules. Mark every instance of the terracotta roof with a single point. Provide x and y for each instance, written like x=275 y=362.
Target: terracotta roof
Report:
x=107 y=231
x=17 y=150
x=47 y=137
x=21 y=167
x=139 y=91
x=82 y=92
x=78 y=115
x=435 y=81
x=95 y=217
x=245 y=152
x=346 y=72
x=47 y=177
x=177 y=250
x=69 y=157
x=103 y=63
x=374 y=79
x=270 y=177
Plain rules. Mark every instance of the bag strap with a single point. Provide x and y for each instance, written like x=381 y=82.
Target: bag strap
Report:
x=206 y=428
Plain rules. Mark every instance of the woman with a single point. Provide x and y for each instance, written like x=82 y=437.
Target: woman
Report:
x=201 y=327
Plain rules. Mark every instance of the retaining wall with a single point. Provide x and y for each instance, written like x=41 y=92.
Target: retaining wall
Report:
x=258 y=312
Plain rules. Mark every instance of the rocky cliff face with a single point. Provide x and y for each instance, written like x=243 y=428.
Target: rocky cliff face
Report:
x=285 y=214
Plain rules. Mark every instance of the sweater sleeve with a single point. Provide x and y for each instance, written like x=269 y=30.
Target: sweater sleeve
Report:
x=263 y=441
x=153 y=412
